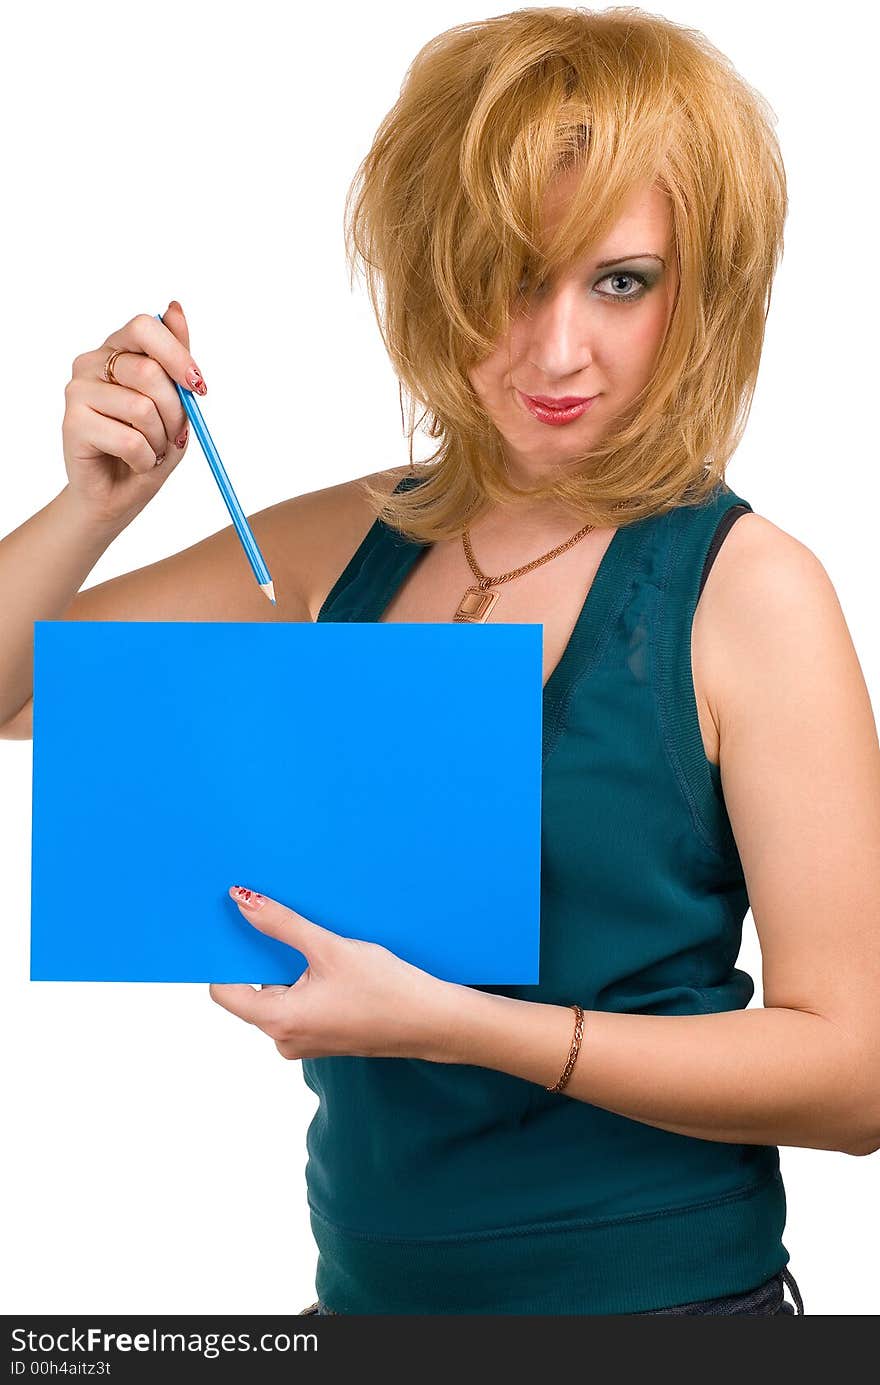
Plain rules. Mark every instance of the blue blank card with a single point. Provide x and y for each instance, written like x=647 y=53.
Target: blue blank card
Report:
x=383 y=779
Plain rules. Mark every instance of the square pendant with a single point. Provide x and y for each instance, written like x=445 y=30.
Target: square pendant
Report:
x=475 y=605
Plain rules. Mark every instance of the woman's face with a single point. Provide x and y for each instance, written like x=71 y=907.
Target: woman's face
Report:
x=595 y=333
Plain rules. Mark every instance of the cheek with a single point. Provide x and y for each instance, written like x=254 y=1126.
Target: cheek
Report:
x=488 y=376
x=642 y=338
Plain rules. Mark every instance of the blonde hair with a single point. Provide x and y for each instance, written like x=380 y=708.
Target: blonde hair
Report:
x=447 y=213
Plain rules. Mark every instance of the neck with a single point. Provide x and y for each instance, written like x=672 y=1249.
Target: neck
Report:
x=529 y=520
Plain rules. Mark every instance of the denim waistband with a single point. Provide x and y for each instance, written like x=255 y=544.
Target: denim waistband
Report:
x=764 y=1301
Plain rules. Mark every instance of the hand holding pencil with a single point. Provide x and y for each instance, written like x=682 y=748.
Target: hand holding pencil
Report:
x=129 y=406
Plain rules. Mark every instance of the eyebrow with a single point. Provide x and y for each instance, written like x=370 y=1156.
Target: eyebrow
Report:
x=620 y=258
x=646 y=255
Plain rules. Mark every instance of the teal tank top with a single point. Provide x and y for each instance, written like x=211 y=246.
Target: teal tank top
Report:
x=453 y=1188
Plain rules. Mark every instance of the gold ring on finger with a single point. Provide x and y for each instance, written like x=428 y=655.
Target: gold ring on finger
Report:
x=108 y=366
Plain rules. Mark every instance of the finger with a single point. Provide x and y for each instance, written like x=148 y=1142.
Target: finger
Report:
x=147 y=335
x=140 y=413
x=176 y=322
x=127 y=443
x=140 y=378
x=278 y=921
x=242 y=1001
x=152 y=360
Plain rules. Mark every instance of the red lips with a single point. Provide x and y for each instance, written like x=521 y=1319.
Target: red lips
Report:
x=565 y=401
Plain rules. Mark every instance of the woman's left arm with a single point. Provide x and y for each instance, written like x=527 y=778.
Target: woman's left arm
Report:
x=800 y=767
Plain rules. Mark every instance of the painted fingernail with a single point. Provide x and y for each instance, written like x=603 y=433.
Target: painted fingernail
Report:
x=195 y=381
x=160 y=459
x=249 y=899
x=181 y=441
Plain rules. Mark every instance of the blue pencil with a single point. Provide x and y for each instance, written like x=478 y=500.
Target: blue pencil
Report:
x=236 y=513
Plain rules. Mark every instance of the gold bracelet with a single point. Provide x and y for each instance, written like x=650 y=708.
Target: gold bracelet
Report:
x=573 y=1053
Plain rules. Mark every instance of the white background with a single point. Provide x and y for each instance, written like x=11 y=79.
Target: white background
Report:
x=154 y=1148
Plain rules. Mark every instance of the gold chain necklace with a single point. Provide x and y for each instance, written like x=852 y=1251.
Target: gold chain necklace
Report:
x=478 y=601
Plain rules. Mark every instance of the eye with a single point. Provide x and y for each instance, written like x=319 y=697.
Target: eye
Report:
x=524 y=287
x=634 y=278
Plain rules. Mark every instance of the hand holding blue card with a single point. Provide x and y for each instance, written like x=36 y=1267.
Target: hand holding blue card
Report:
x=357 y=998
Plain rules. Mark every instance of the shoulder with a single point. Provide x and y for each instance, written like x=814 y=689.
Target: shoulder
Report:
x=756 y=552
x=324 y=528
x=767 y=617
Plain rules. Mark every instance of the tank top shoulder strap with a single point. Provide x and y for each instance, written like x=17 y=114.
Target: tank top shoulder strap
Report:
x=362 y=589
x=693 y=535
x=726 y=522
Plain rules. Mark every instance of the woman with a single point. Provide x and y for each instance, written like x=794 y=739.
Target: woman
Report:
x=561 y=204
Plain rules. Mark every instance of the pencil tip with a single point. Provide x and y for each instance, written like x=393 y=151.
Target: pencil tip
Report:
x=269 y=589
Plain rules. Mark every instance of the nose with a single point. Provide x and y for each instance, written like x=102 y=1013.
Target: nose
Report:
x=560 y=344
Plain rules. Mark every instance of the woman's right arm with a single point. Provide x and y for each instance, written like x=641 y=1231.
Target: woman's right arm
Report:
x=44 y=563
x=122 y=437
x=113 y=433
x=306 y=541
